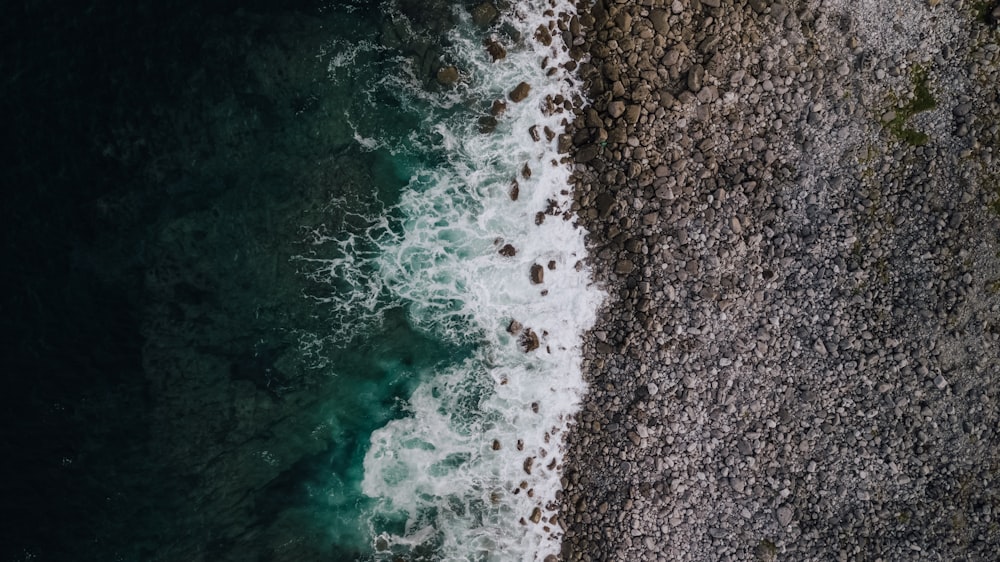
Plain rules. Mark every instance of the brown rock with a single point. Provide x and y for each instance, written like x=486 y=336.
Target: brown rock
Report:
x=498 y=108
x=447 y=75
x=552 y=265
x=519 y=92
x=514 y=327
x=496 y=445
x=616 y=109
x=624 y=267
x=529 y=342
x=587 y=153
x=528 y=463
x=537 y=274
x=526 y=171
x=533 y=131
x=543 y=36
x=660 y=20
x=536 y=515
x=515 y=190
x=508 y=251
x=496 y=50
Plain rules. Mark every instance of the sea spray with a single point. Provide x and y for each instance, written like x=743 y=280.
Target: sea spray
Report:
x=482 y=252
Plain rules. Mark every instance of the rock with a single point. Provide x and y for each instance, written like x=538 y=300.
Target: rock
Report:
x=526 y=171
x=940 y=382
x=759 y=6
x=508 y=251
x=529 y=342
x=784 y=515
x=498 y=108
x=519 y=92
x=695 y=78
x=616 y=109
x=515 y=190
x=565 y=143
x=624 y=267
x=447 y=75
x=660 y=20
x=543 y=36
x=605 y=203
x=496 y=445
x=484 y=14
x=487 y=124
x=712 y=3
x=536 y=515
x=587 y=153
x=528 y=463
x=537 y=274
x=514 y=327
x=496 y=50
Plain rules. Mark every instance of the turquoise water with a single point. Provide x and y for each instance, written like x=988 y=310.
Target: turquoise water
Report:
x=458 y=455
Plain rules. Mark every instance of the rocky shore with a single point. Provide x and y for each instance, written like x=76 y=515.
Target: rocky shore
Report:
x=794 y=208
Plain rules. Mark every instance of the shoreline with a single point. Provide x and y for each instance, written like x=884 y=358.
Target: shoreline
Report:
x=790 y=207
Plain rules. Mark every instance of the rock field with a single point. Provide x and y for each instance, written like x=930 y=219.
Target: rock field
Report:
x=794 y=209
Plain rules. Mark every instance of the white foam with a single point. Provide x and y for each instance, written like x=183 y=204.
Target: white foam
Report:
x=437 y=467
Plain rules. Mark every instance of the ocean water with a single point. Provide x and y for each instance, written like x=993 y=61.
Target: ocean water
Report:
x=273 y=296
x=468 y=467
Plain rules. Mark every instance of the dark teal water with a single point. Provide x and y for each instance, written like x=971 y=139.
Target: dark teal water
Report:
x=252 y=307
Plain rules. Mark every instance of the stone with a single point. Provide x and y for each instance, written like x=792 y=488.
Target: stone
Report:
x=616 y=109
x=496 y=50
x=520 y=92
x=940 y=382
x=605 y=203
x=536 y=515
x=529 y=342
x=537 y=274
x=543 y=36
x=508 y=251
x=447 y=75
x=784 y=515
x=660 y=20
x=695 y=78
x=624 y=267
x=484 y=14
x=587 y=153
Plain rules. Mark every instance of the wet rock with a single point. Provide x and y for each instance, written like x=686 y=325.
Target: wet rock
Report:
x=529 y=340
x=536 y=515
x=543 y=36
x=496 y=50
x=508 y=251
x=520 y=92
x=484 y=14
x=537 y=274
x=498 y=108
x=447 y=75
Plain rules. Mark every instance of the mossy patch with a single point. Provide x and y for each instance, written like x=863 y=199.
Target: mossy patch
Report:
x=922 y=100
x=982 y=10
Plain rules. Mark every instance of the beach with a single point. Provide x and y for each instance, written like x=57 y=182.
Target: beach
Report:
x=793 y=208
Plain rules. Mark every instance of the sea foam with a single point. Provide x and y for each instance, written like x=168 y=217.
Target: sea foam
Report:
x=472 y=470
